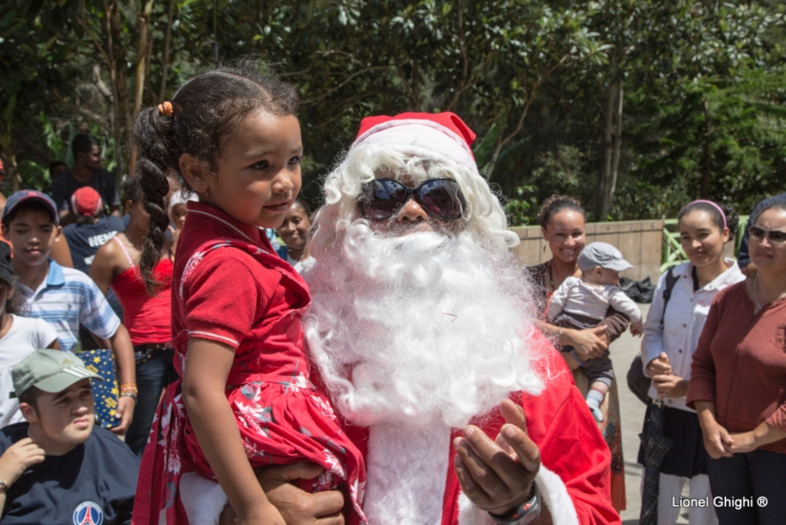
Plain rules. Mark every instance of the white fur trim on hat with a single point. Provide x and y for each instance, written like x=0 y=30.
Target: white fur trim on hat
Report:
x=420 y=138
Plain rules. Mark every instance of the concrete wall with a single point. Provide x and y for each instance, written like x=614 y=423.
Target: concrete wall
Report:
x=639 y=241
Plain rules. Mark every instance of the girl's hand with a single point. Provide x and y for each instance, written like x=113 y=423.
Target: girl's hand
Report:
x=588 y=343
x=667 y=385
x=124 y=413
x=717 y=440
x=19 y=457
x=636 y=329
x=744 y=442
x=659 y=366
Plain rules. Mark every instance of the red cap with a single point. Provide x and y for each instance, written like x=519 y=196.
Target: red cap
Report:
x=86 y=201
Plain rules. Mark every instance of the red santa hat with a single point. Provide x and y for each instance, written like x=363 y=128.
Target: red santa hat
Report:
x=442 y=136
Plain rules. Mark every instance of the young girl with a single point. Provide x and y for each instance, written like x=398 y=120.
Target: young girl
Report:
x=19 y=337
x=294 y=231
x=671 y=335
x=244 y=400
x=146 y=316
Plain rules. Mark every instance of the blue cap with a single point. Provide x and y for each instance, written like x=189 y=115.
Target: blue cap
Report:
x=30 y=196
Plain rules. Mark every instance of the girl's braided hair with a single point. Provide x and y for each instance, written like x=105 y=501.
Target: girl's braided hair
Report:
x=204 y=113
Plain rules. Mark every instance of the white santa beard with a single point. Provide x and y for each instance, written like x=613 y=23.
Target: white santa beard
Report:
x=419 y=328
x=414 y=335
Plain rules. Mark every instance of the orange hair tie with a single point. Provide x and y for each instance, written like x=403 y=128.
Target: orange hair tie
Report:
x=166 y=108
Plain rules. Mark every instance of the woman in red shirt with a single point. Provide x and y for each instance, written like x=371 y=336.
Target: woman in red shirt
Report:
x=147 y=317
x=737 y=384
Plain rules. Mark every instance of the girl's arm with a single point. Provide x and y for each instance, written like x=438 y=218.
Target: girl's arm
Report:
x=61 y=253
x=102 y=271
x=123 y=349
x=764 y=434
x=204 y=385
x=652 y=345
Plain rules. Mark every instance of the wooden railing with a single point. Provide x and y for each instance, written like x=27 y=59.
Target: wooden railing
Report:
x=651 y=246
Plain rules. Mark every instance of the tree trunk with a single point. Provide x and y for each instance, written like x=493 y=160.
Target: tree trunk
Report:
x=121 y=80
x=615 y=162
x=612 y=143
x=143 y=57
x=604 y=181
x=11 y=171
x=116 y=121
x=706 y=165
x=165 y=61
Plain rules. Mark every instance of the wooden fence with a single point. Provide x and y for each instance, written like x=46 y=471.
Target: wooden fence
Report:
x=639 y=241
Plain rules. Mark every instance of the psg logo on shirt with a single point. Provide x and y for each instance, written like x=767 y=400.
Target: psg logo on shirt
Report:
x=88 y=513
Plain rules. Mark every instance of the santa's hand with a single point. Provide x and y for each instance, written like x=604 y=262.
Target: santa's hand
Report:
x=497 y=476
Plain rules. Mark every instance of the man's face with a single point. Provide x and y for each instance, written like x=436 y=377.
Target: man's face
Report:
x=92 y=159
x=32 y=233
x=65 y=419
x=412 y=217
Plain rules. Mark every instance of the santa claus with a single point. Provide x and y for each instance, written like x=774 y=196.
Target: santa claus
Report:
x=421 y=330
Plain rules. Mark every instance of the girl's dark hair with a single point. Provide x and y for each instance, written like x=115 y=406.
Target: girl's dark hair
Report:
x=85 y=219
x=732 y=219
x=16 y=304
x=205 y=112
x=303 y=204
x=555 y=204
x=131 y=189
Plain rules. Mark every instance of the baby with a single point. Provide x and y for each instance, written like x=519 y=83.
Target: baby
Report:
x=177 y=208
x=582 y=303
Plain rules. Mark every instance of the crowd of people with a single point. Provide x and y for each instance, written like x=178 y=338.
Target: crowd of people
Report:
x=383 y=360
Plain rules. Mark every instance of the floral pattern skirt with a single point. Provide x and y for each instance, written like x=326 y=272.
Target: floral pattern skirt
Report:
x=279 y=423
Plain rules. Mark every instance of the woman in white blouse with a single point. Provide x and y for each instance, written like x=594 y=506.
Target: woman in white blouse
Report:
x=671 y=337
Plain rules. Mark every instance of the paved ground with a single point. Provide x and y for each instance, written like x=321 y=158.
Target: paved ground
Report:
x=632 y=413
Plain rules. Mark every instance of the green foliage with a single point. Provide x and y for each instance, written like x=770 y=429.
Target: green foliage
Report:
x=704 y=96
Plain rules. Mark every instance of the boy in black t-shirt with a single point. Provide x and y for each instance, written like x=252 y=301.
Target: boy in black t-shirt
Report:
x=57 y=468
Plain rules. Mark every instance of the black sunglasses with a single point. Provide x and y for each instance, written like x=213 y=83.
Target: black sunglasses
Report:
x=382 y=199
x=775 y=236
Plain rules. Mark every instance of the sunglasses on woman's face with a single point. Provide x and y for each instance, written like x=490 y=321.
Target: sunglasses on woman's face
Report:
x=382 y=199
x=775 y=236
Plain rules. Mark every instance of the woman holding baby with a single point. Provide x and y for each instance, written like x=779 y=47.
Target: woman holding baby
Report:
x=562 y=221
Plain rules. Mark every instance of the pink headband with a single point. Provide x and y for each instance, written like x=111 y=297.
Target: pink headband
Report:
x=718 y=207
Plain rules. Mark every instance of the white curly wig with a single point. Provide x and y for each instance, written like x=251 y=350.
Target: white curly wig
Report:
x=423 y=150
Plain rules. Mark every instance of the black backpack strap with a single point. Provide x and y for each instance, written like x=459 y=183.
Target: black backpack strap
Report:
x=671 y=280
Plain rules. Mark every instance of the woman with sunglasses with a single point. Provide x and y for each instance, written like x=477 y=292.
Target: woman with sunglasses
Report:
x=562 y=222
x=737 y=384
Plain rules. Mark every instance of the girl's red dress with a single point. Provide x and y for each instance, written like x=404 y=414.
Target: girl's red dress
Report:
x=230 y=286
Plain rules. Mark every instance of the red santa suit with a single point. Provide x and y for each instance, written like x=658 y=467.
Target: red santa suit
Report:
x=574 y=477
x=410 y=476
